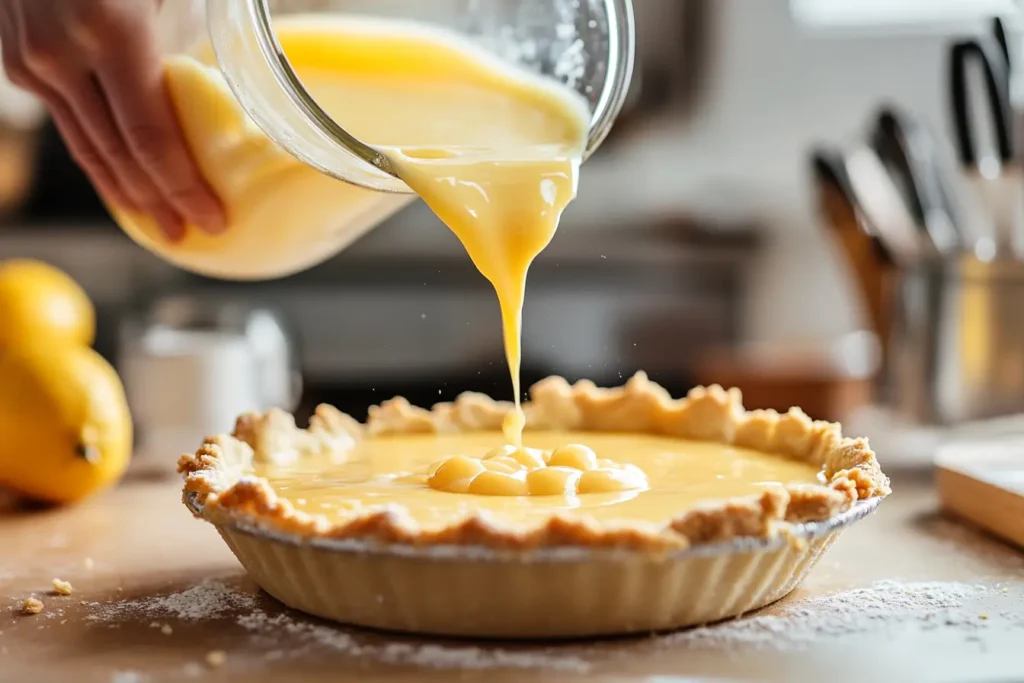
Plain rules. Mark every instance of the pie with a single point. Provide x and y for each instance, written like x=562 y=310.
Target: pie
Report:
x=626 y=510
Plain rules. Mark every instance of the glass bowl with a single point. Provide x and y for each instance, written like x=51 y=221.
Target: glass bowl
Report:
x=588 y=45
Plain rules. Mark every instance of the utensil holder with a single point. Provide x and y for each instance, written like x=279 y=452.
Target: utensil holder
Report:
x=957 y=346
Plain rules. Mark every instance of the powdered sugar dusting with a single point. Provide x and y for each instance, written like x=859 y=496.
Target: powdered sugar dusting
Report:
x=885 y=605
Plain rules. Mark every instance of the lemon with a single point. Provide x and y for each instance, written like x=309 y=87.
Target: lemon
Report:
x=39 y=303
x=65 y=429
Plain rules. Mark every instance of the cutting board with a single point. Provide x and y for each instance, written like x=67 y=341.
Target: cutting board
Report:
x=983 y=482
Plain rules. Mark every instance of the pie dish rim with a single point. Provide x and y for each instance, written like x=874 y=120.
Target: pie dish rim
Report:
x=218 y=489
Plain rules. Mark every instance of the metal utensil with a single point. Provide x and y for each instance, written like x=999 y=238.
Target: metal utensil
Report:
x=870 y=259
x=996 y=182
x=907 y=149
x=887 y=213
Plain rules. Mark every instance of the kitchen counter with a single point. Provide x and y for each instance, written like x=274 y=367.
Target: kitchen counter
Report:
x=132 y=554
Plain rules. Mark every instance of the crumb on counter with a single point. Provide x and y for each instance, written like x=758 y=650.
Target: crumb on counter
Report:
x=61 y=587
x=166 y=629
x=216 y=657
x=32 y=606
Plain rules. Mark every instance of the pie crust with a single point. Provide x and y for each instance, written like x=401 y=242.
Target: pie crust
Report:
x=850 y=470
x=570 y=577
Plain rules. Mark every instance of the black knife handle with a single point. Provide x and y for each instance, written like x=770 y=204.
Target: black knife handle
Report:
x=997 y=84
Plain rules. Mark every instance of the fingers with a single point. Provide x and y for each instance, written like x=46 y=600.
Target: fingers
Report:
x=86 y=115
x=79 y=144
x=97 y=68
x=86 y=154
x=92 y=137
x=124 y=195
x=142 y=109
x=13 y=61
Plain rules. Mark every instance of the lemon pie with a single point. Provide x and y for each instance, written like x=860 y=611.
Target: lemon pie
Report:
x=624 y=510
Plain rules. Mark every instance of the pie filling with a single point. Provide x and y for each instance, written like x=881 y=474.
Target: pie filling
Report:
x=615 y=477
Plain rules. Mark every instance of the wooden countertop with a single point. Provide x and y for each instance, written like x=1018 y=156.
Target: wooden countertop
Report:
x=125 y=549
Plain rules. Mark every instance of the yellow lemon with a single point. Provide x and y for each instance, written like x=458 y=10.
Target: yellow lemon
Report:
x=65 y=429
x=39 y=303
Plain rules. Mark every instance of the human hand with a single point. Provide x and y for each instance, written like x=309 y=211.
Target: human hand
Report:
x=96 y=64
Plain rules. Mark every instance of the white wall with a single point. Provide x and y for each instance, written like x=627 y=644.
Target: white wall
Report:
x=775 y=90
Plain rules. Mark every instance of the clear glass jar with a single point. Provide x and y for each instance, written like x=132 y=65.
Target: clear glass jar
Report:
x=588 y=45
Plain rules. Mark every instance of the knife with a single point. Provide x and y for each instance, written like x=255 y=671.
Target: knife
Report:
x=996 y=183
x=872 y=264
x=887 y=216
x=909 y=152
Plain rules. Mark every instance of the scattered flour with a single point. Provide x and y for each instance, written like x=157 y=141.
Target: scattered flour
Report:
x=215 y=600
x=17 y=607
x=410 y=654
x=799 y=624
x=883 y=605
x=208 y=600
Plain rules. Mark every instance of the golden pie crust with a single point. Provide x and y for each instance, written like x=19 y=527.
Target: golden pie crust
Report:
x=219 y=475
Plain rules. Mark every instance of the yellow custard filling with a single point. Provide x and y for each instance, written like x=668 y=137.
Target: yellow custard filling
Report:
x=640 y=478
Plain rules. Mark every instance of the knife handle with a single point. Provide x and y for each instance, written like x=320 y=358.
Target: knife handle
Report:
x=989 y=55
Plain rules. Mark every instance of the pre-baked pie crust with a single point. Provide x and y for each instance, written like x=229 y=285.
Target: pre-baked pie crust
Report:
x=850 y=469
x=759 y=547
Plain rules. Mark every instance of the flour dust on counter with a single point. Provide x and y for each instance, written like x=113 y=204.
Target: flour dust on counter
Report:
x=281 y=634
x=207 y=600
x=887 y=607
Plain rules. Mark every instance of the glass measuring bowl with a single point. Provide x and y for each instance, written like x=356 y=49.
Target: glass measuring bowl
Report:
x=292 y=155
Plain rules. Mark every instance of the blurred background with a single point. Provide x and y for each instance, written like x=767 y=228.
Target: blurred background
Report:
x=700 y=248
